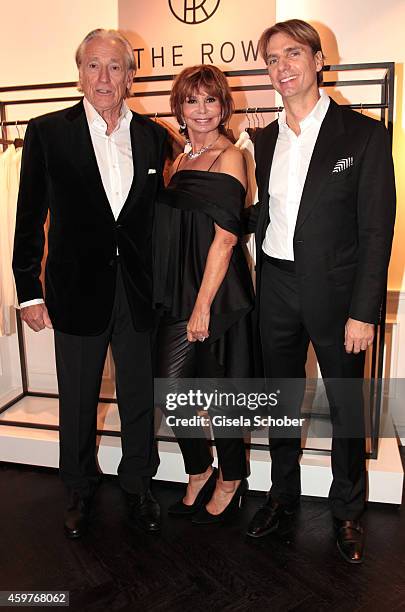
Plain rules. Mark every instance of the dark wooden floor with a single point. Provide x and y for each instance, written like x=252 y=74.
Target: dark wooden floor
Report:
x=189 y=568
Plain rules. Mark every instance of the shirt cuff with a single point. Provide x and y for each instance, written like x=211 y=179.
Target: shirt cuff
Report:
x=32 y=302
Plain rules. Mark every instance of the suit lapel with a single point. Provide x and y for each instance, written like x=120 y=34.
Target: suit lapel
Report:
x=322 y=161
x=140 y=144
x=84 y=157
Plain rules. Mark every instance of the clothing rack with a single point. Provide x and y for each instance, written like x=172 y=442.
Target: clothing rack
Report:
x=17 y=142
x=386 y=108
x=386 y=83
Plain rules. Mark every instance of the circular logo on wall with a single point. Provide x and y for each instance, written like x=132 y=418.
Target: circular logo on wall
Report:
x=193 y=11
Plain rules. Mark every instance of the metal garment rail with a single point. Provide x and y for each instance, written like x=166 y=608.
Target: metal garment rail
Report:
x=386 y=107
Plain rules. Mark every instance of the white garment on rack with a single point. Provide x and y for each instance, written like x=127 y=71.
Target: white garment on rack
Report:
x=10 y=162
x=245 y=145
x=12 y=209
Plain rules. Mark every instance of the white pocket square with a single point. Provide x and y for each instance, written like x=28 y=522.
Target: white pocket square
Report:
x=343 y=164
x=151 y=171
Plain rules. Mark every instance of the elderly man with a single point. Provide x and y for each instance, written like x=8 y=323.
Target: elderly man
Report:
x=323 y=234
x=96 y=168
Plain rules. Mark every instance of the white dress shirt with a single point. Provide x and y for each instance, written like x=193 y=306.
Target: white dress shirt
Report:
x=289 y=169
x=113 y=154
x=114 y=159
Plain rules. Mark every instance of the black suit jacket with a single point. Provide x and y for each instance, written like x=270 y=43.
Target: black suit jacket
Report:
x=344 y=229
x=59 y=173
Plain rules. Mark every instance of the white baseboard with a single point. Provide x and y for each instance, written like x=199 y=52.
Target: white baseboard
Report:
x=29 y=445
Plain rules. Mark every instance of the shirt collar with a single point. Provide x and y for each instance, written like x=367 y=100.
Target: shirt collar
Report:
x=316 y=115
x=94 y=119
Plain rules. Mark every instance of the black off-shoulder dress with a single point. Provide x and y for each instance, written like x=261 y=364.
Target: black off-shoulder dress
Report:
x=188 y=208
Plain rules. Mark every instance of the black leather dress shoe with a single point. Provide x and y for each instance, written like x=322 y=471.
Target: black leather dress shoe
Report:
x=144 y=511
x=350 y=540
x=267 y=518
x=77 y=516
x=179 y=508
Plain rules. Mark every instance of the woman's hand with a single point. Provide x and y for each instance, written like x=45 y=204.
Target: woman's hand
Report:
x=198 y=324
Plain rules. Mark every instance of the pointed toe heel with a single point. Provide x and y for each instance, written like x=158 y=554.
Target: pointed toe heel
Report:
x=203 y=517
x=179 y=508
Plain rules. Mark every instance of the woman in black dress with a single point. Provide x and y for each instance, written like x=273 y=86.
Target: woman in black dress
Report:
x=203 y=281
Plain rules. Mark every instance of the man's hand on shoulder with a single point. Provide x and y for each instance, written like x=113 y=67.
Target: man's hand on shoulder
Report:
x=36 y=317
x=358 y=336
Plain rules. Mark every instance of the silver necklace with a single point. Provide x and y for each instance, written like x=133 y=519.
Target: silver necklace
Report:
x=192 y=155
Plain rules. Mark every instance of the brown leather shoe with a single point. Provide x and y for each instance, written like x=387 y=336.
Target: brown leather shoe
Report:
x=267 y=518
x=350 y=540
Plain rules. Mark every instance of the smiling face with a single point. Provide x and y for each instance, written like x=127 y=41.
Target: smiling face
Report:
x=103 y=73
x=202 y=113
x=293 y=67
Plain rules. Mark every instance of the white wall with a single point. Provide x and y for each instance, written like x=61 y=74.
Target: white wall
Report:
x=39 y=39
x=38 y=46
x=228 y=35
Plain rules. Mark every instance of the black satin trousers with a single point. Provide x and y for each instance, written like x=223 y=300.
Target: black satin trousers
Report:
x=178 y=358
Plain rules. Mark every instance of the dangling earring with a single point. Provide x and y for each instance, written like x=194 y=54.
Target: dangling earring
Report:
x=183 y=125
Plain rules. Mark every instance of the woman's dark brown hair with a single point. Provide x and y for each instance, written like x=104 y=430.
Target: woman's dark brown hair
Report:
x=206 y=78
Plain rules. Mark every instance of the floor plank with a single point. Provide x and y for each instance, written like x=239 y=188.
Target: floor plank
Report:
x=189 y=568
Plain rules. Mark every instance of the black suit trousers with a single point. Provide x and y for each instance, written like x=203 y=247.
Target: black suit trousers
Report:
x=79 y=363
x=285 y=342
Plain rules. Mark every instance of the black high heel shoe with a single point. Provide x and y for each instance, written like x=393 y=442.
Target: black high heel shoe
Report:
x=203 y=517
x=181 y=509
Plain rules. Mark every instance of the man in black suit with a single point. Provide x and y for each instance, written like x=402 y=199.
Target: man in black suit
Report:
x=323 y=228
x=96 y=168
